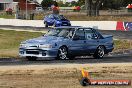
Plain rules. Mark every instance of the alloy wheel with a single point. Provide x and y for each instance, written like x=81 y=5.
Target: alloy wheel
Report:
x=99 y=54
x=100 y=51
x=63 y=53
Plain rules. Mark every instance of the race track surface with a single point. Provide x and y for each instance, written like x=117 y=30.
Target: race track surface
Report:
x=116 y=34
x=79 y=61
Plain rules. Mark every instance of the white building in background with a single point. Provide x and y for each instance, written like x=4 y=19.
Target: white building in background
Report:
x=4 y=4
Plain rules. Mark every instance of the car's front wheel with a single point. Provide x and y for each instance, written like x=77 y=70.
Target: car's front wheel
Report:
x=99 y=54
x=63 y=53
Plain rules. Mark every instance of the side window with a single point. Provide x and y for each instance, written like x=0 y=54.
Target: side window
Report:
x=80 y=33
x=71 y=33
x=88 y=34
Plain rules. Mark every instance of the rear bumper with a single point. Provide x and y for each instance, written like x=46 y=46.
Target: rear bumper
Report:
x=38 y=53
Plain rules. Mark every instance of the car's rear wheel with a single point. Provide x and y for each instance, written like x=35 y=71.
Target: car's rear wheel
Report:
x=46 y=25
x=99 y=54
x=63 y=53
x=31 y=58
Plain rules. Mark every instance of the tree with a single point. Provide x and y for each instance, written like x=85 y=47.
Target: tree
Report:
x=46 y=3
x=113 y=4
x=67 y=4
x=55 y=3
x=81 y=2
x=73 y=3
x=122 y=3
x=92 y=7
x=126 y=2
x=60 y=3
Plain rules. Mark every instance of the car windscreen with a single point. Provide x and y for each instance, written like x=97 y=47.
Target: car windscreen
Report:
x=59 y=17
x=52 y=32
x=61 y=32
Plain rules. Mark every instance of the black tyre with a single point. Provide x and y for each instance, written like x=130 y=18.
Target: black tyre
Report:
x=63 y=53
x=85 y=82
x=46 y=25
x=99 y=54
x=69 y=25
x=31 y=58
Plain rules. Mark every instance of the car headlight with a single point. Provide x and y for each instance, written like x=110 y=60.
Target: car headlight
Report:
x=45 y=46
x=23 y=45
x=58 y=22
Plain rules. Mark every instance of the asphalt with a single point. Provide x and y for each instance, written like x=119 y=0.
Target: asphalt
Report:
x=79 y=60
x=116 y=34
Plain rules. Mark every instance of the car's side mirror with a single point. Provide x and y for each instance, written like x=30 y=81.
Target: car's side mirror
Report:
x=76 y=38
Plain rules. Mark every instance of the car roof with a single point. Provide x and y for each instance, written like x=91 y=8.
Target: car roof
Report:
x=72 y=27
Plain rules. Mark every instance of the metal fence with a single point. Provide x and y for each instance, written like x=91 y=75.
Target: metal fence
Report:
x=41 y=14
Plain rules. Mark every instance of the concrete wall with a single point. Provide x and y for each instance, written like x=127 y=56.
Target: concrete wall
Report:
x=101 y=25
x=104 y=25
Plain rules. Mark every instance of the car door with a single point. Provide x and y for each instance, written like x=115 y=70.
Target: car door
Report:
x=77 y=44
x=92 y=40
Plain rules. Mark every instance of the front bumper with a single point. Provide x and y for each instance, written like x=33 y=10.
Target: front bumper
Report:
x=38 y=53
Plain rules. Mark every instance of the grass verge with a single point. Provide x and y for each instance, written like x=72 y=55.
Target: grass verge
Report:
x=122 y=44
x=83 y=17
x=10 y=40
x=4 y=15
x=98 y=18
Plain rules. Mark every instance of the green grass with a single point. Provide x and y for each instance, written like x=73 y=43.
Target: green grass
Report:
x=10 y=40
x=98 y=18
x=122 y=44
x=4 y=15
x=77 y=17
